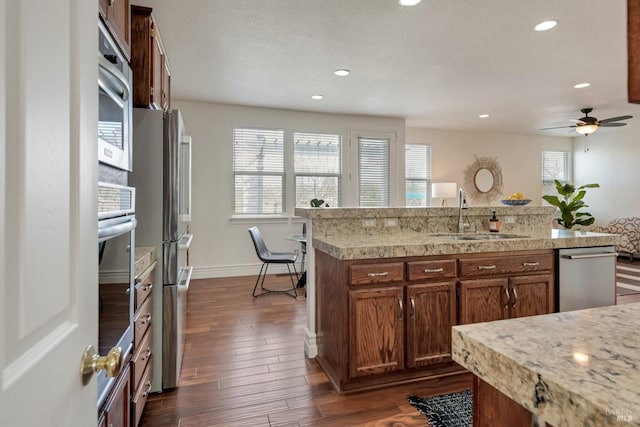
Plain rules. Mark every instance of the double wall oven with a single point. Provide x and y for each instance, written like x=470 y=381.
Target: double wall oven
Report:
x=116 y=206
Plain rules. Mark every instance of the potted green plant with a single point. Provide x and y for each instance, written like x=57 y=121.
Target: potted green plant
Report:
x=570 y=203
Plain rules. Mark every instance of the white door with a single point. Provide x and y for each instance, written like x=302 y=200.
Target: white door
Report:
x=48 y=219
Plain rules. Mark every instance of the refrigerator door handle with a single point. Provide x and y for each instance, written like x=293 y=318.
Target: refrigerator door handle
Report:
x=185 y=245
x=183 y=285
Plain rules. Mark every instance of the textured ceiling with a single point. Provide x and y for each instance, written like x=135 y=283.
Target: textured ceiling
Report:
x=439 y=64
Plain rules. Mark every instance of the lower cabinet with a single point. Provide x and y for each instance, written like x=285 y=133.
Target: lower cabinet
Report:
x=431 y=314
x=388 y=321
x=116 y=410
x=376 y=331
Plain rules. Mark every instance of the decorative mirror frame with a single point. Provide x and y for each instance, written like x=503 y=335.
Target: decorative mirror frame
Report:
x=470 y=187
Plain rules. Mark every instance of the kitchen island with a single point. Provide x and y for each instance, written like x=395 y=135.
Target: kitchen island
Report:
x=577 y=368
x=387 y=285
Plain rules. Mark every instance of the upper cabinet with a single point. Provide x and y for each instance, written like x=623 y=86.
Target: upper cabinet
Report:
x=116 y=15
x=151 y=70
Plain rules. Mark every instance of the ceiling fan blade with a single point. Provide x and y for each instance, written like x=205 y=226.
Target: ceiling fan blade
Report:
x=615 y=119
x=559 y=127
x=611 y=125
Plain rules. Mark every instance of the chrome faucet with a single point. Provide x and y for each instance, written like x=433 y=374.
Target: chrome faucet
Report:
x=462 y=204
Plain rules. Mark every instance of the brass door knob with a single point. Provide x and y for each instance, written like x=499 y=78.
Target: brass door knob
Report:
x=91 y=362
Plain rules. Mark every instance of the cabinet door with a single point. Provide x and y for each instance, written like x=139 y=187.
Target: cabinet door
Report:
x=431 y=314
x=483 y=300
x=376 y=331
x=166 y=84
x=116 y=411
x=531 y=295
x=156 y=69
x=118 y=19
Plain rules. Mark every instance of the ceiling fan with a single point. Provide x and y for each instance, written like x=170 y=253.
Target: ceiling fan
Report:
x=587 y=124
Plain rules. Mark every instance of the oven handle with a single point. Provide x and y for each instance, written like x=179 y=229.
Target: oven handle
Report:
x=108 y=229
x=111 y=77
x=185 y=246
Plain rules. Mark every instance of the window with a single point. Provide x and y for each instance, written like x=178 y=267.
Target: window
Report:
x=258 y=171
x=417 y=163
x=373 y=171
x=317 y=170
x=555 y=165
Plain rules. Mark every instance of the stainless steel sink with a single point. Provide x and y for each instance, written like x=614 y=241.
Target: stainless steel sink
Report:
x=480 y=236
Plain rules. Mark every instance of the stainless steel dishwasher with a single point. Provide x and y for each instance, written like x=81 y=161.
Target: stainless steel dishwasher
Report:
x=586 y=277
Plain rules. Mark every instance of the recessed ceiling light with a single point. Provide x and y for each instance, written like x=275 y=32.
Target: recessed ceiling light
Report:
x=409 y=2
x=317 y=96
x=581 y=85
x=545 y=25
x=483 y=116
x=342 y=72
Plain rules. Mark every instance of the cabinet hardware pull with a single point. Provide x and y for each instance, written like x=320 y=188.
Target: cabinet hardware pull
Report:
x=111 y=2
x=145 y=319
x=515 y=297
x=384 y=273
x=401 y=308
x=434 y=270
x=530 y=264
x=146 y=356
x=413 y=307
x=146 y=392
x=148 y=287
x=486 y=267
x=506 y=291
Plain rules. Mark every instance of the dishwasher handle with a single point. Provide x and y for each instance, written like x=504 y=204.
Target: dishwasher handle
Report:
x=594 y=255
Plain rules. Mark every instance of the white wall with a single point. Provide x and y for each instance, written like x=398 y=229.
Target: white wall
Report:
x=519 y=156
x=613 y=161
x=221 y=245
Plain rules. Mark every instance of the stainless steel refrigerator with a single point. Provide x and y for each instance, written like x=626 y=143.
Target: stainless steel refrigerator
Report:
x=162 y=178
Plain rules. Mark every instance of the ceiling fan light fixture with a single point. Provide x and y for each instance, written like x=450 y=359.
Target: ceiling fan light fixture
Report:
x=546 y=25
x=586 y=129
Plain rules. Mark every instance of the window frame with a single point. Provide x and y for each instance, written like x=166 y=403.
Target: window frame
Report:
x=235 y=173
x=428 y=180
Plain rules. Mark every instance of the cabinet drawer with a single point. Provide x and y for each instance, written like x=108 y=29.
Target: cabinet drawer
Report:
x=483 y=267
x=140 y=358
x=141 y=322
x=140 y=397
x=428 y=270
x=144 y=285
x=366 y=274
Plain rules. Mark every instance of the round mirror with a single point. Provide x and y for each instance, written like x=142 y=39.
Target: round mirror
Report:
x=484 y=180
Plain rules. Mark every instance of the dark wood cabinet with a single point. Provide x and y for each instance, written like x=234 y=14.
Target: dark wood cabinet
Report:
x=431 y=312
x=117 y=18
x=376 y=331
x=149 y=62
x=141 y=374
x=510 y=286
x=116 y=410
x=388 y=321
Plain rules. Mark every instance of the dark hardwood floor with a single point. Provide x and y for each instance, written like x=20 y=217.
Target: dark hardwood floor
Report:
x=244 y=365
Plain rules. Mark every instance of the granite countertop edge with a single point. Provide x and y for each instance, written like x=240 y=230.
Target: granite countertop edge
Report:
x=409 y=245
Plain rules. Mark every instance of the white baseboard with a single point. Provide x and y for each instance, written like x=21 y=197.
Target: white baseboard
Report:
x=215 y=271
x=310 y=344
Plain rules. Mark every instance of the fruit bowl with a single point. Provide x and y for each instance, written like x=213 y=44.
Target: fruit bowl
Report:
x=515 y=202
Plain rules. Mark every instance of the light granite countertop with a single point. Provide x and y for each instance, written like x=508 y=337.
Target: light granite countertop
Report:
x=347 y=247
x=145 y=256
x=578 y=368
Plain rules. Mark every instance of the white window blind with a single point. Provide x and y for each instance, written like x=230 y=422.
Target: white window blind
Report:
x=555 y=165
x=317 y=170
x=417 y=164
x=258 y=171
x=373 y=171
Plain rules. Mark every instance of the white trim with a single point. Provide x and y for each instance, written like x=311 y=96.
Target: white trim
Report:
x=217 y=271
x=310 y=344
